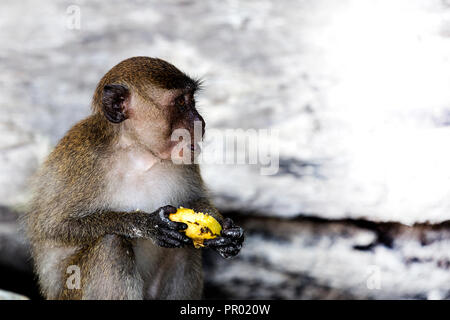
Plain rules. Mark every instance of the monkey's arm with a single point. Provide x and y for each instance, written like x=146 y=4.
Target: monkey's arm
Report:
x=230 y=241
x=137 y=224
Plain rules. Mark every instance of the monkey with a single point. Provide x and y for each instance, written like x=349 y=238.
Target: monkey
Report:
x=102 y=199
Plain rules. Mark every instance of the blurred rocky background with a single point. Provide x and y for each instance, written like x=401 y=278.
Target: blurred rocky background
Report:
x=357 y=89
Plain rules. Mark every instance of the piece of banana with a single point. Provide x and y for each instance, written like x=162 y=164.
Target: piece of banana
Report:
x=200 y=225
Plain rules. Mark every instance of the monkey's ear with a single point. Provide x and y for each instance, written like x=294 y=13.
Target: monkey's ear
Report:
x=115 y=102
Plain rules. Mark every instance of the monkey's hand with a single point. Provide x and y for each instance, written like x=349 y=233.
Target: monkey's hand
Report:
x=230 y=241
x=164 y=231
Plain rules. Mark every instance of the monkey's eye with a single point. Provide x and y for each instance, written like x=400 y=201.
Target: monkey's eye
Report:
x=180 y=102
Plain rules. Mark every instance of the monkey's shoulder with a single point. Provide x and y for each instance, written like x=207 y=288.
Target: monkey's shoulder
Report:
x=89 y=134
x=82 y=145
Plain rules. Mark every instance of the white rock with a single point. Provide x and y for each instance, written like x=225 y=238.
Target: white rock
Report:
x=6 y=295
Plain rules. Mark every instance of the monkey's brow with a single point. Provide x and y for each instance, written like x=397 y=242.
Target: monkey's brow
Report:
x=193 y=85
x=188 y=91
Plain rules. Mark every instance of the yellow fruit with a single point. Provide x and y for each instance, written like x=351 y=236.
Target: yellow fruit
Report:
x=200 y=225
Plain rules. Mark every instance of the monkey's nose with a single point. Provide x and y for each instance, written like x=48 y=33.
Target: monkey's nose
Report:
x=198 y=118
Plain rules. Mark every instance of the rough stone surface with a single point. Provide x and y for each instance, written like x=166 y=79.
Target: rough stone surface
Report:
x=303 y=258
x=318 y=259
x=13 y=247
x=361 y=108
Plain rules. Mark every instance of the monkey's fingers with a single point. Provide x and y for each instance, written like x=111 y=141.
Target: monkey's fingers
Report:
x=166 y=210
x=217 y=242
x=175 y=235
x=231 y=230
x=172 y=239
x=226 y=247
x=164 y=213
x=176 y=226
x=234 y=233
x=227 y=223
x=228 y=251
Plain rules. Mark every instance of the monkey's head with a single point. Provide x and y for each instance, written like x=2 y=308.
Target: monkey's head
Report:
x=147 y=99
